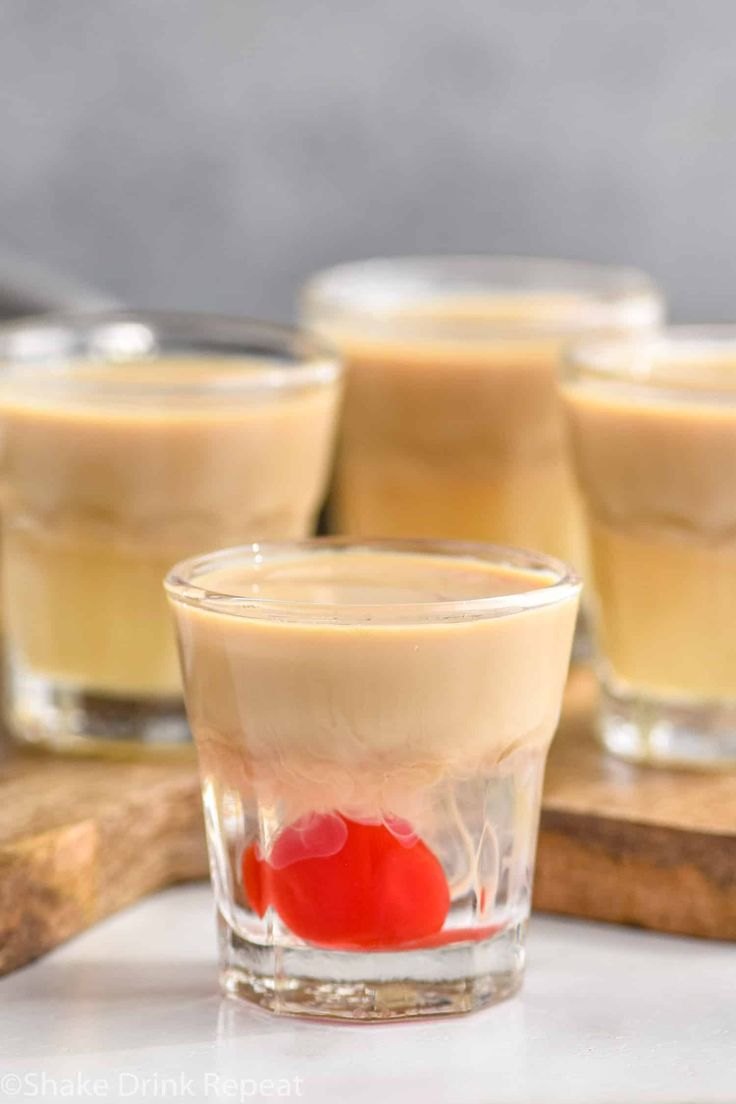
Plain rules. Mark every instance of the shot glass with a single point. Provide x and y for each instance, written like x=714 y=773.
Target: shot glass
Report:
x=653 y=432
x=372 y=721
x=451 y=426
x=129 y=440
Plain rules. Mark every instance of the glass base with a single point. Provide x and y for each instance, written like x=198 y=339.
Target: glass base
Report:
x=667 y=733
x=63 y=718
x=373 y=986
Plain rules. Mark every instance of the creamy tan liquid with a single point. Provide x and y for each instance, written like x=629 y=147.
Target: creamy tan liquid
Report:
x=100 y=497
x=452 y=434
x=368 y=714
x=657 y=477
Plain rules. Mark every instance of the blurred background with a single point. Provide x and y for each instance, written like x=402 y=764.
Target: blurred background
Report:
x=211 y=153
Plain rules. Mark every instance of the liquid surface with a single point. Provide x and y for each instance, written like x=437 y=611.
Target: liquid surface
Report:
x=527 y=310
x=162 y=389
x=376 y=578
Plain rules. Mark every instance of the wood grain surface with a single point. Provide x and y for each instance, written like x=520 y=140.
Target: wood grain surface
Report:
x=634 y=844
x=80 y=839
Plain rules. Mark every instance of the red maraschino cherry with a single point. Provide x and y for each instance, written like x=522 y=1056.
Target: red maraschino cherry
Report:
x=344 y=883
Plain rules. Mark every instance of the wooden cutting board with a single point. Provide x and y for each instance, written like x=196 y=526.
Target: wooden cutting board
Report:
x=80 y=839
x=630 y=844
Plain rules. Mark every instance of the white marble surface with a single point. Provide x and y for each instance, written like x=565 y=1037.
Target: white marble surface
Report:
x=606 y=1015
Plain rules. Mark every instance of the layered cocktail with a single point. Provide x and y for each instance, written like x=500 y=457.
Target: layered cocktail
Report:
x=653 y=432
x=128 y=441
x=372 y=722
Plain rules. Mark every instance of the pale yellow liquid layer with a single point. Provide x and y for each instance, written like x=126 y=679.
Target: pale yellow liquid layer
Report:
x=100 y=500
x=667 y=612
x=657 y=478
x=525 y=504
x=91 y=615
x=369 y=712
x=456 y=434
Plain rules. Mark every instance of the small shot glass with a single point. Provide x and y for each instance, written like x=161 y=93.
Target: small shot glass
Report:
x=128 y=441
x=372 y=721
x=652 y=425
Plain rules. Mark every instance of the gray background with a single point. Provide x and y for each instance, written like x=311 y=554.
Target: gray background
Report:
x=210 y=153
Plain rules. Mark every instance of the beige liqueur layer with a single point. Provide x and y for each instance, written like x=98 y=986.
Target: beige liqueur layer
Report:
x=458 y=434
x=367 y=715
x=657 y=477
x=100 y=498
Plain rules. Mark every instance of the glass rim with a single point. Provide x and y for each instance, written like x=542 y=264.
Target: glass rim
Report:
x=181 y=587
x=366 y=293
x=681 y=355
x=47 y=346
